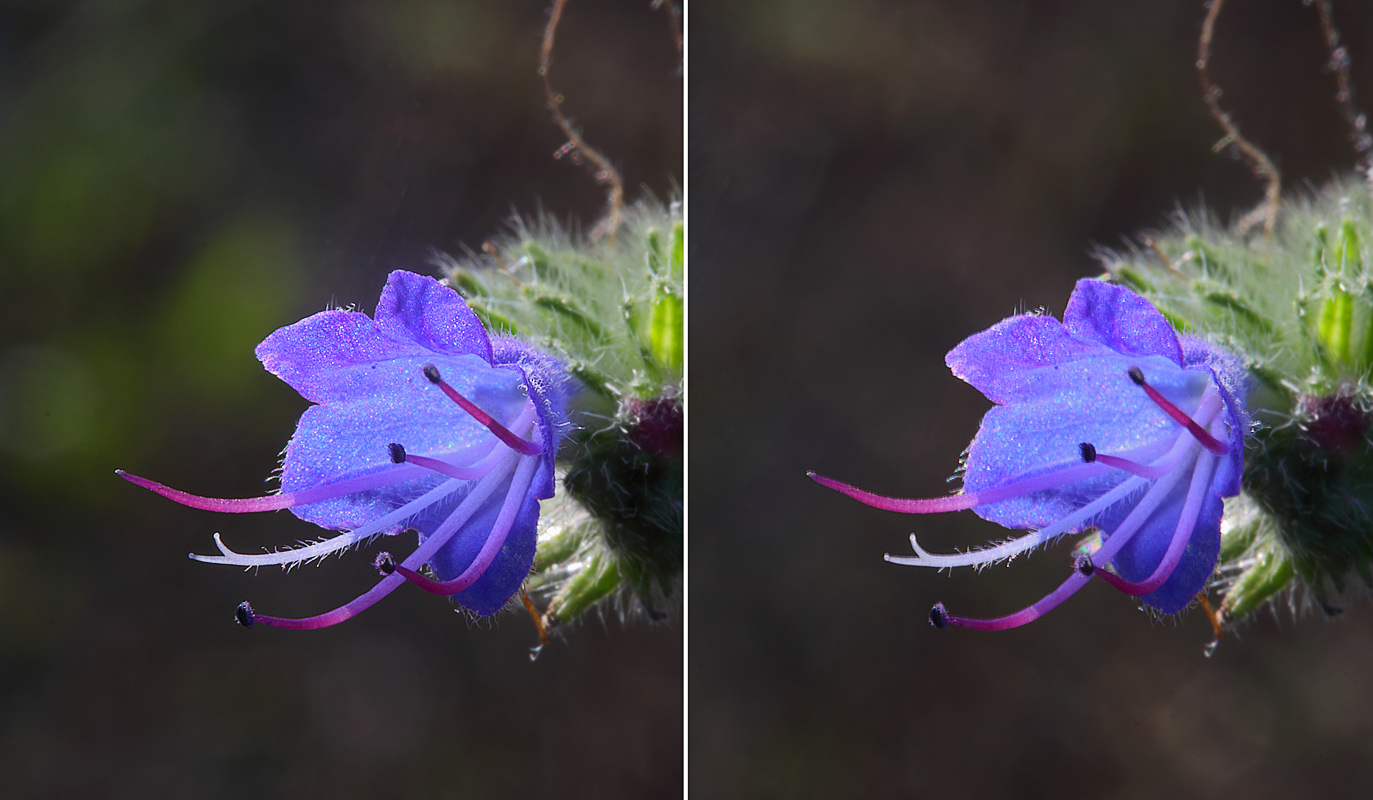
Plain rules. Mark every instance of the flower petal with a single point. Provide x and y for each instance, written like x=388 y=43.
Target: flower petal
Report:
x=1138 y=559
x=512 y=563
x=995 y=361
x=418 y=309
x=393 y=402
x=1088 y=400
x=1234 y=383
x=550 y=389
x=1118 y=318
x=327 y=356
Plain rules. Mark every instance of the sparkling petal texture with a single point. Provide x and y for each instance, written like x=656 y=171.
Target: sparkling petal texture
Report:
x=1058 y=385
x=1108 y=421
x=1084 y=400
x=505 y=575
x=1138 y=559
x=1119 y=320
x=550 y=390
x=414 y=308
x=367 y=377
x=345 y=437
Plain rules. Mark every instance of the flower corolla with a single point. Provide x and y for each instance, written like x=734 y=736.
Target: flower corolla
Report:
x=1107 y=420
x=421 y=421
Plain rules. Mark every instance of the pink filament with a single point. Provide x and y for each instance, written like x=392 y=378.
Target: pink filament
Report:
x=1118 y=539
x=500 y=530
x=444 y=468
x=1135 y=468
x=422 y=554
x=276 y=502
x=1199 y=433
x=1187 y=521
x=966 y=500
x=521 y=446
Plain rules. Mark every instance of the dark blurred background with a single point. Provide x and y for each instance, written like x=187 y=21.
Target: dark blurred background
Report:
x=872 y=182
x=176 y=181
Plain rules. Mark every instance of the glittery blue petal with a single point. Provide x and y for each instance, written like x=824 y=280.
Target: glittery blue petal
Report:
x=328 y=355
x=512 y=564
x=1087 y=400
x=368 y=380
x=1058 y=386
x=1138 y=559
x=1110 y=315
x=1234 y=383
x=332 y=355
x=550 y=388
x=997 y=361
x=420 y=310
x=344 y=438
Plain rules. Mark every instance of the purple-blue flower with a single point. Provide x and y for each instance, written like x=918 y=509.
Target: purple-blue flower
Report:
x=421 y=421
x=1106 y=420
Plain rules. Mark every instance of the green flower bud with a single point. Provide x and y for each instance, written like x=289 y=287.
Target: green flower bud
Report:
x=613 y=312
x=1299 y=308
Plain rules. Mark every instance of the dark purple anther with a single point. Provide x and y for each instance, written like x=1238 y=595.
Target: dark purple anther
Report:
x=1179 y=416
x=1069 y=447
x=521 y=446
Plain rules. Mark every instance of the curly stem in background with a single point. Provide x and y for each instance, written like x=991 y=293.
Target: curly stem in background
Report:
x=605 y=171
x=1263 y=166
x=1344 y=93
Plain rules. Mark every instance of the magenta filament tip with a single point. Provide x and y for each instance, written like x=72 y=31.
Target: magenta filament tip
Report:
x=521 y=446
x=1207 y=440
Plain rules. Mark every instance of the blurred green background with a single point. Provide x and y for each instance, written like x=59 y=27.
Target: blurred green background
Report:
x=873 y=181
x=176 y=181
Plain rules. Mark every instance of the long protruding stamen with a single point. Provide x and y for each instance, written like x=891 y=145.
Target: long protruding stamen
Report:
x=966 y=500
x=441 y=536
x=1072 y=522
x=332 y=545
x=1199 y=433
x=1029 y=541
x=522 y=446
x=296 y=555
x=1187 y=521
x=495 y=540
x=399 y=456
x=276 y=502
x=1091 y=456
x=1118 y=539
